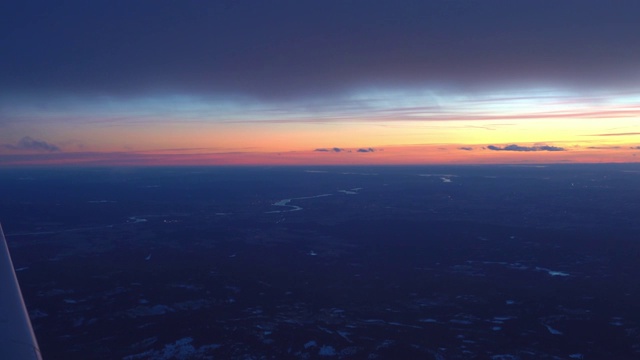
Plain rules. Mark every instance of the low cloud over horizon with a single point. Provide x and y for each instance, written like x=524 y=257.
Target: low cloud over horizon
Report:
x=366 y=150
x=335 y=149
x=27 y=143
x=514 y=147
x=339 y=150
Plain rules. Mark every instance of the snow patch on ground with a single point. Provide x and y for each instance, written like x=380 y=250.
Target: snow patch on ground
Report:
x=182 y=349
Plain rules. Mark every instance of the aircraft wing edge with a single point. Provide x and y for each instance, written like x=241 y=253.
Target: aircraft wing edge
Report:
x=17 y=339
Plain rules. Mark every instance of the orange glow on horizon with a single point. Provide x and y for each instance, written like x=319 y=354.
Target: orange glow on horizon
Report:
x=391 y=155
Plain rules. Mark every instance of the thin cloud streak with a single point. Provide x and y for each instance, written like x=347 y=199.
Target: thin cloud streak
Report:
x=617 y=134
x=384 y=107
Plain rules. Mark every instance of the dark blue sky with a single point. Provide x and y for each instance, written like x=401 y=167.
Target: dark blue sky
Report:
x=293 y=48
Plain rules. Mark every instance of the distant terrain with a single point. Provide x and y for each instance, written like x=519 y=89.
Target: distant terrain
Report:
x=466 y=262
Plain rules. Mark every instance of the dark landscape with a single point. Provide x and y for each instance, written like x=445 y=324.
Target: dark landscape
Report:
x=467 y=262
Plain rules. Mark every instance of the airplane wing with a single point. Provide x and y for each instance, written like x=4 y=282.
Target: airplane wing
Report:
x=17 y=340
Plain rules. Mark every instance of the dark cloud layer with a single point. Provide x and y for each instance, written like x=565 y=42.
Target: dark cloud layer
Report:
x=514 y=147
x=300 y=48
x=366 y=150
x=335 y=149
x=29 y=144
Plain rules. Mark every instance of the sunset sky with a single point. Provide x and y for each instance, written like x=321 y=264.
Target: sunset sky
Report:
x=319 y=82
